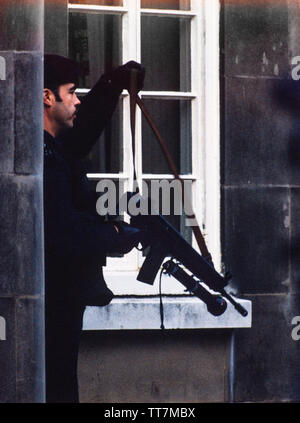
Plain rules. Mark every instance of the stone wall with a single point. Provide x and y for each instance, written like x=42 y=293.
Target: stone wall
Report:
x=154 y=366
x=21 y=205
x=260 y=193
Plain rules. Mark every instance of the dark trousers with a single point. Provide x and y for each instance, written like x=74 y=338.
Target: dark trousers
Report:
x=63 y=328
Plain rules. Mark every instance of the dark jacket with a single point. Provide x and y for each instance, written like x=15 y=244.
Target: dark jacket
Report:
x=77 y=240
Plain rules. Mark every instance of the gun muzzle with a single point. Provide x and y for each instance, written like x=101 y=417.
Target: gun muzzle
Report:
x=216 y=305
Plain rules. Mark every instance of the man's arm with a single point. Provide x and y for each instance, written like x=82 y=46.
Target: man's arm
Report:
x=74 y=234
x=94 y=112
x=97 y=107
x=68 y=232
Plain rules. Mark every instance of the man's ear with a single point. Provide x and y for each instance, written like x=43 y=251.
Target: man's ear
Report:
x=49 y=97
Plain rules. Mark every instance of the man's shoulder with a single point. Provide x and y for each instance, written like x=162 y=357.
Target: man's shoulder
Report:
x=52 y=146
x=54 y=159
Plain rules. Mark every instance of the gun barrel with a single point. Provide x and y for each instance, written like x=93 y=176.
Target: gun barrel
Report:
x=236 y=305
x=216 y=305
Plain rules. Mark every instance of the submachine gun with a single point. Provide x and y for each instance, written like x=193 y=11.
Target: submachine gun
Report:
x=163 y=240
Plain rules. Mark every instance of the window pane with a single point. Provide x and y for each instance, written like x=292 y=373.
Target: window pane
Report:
x=173 y=120
x=107 y=154
x=98 y=2
x=166 y=53
x=94 y=41
x=167 y=196
x=166 y=4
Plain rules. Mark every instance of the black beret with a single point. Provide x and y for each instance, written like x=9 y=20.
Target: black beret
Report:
x=59 y=70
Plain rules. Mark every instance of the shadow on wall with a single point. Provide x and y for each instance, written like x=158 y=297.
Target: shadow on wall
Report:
x=287 y=97
x=263 y=224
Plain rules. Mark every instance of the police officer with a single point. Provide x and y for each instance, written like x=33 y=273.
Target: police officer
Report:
x=77 y=240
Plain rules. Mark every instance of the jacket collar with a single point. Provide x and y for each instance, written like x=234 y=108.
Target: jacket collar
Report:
x=50 y=141
x=52 y=145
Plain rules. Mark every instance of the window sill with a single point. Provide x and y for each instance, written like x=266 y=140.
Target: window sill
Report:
x=179 y=313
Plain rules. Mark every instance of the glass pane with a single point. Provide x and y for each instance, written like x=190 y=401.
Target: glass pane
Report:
x=94 y=42
x=166 y=197
x=173 y=120
x=107 y=154
x=166 y=4
x=166 y=53
x=98 y=2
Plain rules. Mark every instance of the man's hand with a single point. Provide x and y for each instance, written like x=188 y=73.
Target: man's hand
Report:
x=122 y=74
x=129 y=237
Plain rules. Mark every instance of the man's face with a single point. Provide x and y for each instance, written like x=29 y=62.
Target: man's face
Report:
x=64 y=112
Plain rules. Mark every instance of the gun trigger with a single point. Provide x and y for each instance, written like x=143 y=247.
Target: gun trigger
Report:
x=165 y=272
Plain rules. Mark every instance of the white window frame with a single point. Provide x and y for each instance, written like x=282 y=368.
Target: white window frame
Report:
x=204 y=96
x=181 y=312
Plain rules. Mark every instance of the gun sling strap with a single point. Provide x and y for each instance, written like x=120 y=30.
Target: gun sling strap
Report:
x=214 y=308
x=136 y=100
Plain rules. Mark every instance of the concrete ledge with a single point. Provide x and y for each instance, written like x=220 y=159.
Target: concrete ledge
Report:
x=179 y=313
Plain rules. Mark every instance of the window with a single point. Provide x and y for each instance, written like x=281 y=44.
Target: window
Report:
x=177 y=42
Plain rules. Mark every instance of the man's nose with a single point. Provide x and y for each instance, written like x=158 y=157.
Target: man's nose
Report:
x=77 y=101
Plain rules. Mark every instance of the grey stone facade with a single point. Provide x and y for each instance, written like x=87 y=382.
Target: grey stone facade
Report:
x=260 y=227
x=21 y=207
x=260 y=192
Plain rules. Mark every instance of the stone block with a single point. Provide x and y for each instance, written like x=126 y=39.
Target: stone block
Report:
x=255 y=38
x=30 y=350
x=256 y=238
x=266 y=356
x=7 y=109
x=21 y=248
x=29 y=113
x=153 y=366
x=8 y=352
x=294 y=28
x=256 y=140
x=21 y=24
x=295 y=239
